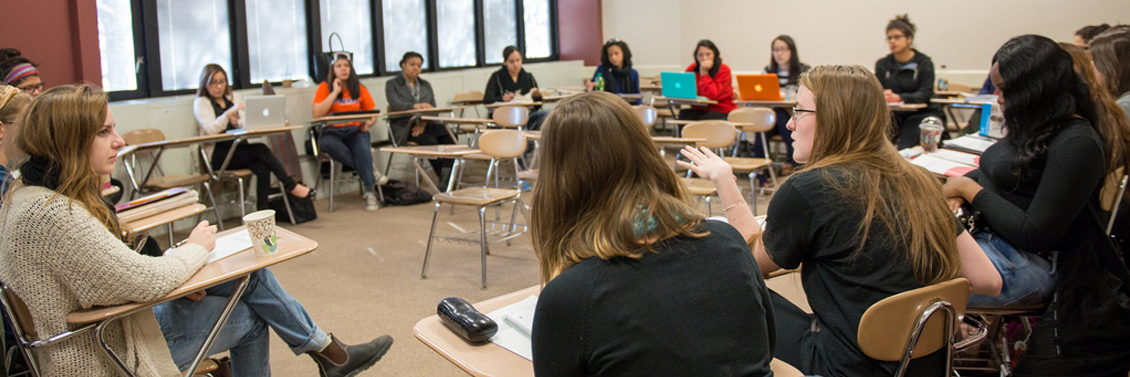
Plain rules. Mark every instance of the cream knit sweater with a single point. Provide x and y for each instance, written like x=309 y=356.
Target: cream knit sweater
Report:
x=59 y=259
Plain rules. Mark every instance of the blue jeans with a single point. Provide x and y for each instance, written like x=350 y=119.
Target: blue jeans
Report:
x=186 y=323
x=1028 y=278
x=351 y=147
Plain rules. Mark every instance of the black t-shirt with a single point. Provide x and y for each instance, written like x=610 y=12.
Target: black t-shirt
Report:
x=810 y=222
x=697 y=307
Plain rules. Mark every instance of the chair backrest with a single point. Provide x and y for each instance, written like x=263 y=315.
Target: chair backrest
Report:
x=887 y=327
x=1111 y=188
x=647 y=114
x=761 y=119
x=18 y=312
x=470 y=95
x=142 y=136
x=718 y=133
x=511 y=116
x=502 y=143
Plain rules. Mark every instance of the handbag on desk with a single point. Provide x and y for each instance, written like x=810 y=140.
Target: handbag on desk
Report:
x=324 y=61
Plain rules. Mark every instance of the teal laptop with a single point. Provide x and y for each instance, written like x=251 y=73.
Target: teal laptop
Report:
x=678 y=85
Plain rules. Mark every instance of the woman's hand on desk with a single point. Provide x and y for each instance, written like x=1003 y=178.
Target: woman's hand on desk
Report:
x=509 y=96
x=196 y=296
x=203 y=235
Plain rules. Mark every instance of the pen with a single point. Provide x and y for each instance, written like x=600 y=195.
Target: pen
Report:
x=181 y=243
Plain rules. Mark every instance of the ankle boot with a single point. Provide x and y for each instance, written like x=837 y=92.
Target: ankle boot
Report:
x=359 y=357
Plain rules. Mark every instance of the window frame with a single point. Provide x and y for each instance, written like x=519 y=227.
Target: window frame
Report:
x=148 y=60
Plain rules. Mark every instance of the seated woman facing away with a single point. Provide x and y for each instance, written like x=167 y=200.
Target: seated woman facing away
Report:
x=865 y=223
x=60 y=253
x=218 y=110
x=1037 y=191
x=408 y=91
x=637 y=282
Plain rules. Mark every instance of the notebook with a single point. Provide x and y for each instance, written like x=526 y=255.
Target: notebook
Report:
x=759 y=87
x=678 y=85
x=264 y=112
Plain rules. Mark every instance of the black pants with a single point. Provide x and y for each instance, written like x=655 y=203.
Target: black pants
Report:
x=259 y=159
x=696 y=114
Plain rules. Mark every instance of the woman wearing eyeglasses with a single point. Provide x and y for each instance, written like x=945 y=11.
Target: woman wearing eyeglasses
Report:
x=16 y=70
x=217 y=109
x=865 y=223
x=785 y=63
x=616 y=70
x=907 y=77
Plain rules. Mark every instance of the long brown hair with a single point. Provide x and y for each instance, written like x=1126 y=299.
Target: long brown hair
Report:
x=60 y=126
x=852 y=120
x=206 y=78
x=604 y=189
x=1111 y=51
x=1113 y=125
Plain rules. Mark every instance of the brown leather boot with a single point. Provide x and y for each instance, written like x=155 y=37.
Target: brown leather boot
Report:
x=358 y=357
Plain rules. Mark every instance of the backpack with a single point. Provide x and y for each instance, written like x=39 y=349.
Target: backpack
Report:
x=401 y=193
x=303 y=209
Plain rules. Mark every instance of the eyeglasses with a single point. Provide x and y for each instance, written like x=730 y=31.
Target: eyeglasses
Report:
x=217 y=83
x=786 y=49
x=798 y=111
x=33 y=88
x=895 y=37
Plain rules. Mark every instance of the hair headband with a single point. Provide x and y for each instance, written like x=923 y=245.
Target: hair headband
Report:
x=6 y=93
x=19 y=72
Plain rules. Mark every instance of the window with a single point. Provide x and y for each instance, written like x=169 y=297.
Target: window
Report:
x=115 y=40
x=191 y=35
x=500 y=27
x=353 y=21
x=455 y=24
x=276 y=40
x=537 y=28
x=405 y=29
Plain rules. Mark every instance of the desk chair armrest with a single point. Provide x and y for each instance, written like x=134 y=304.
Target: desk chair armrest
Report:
x=974 y=338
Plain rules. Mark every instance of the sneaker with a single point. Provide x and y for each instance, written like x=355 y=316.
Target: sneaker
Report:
x=371 y=203
x=361 y=357
x=381 y=179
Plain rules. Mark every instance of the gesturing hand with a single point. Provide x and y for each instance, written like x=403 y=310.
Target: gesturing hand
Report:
x=706 y=164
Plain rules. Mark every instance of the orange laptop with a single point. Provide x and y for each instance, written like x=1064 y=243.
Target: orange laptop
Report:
x=759 y=87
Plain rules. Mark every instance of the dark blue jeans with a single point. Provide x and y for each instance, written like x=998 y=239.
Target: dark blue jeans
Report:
x=351 y=147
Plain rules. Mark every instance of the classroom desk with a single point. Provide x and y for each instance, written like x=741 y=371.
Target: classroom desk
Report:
x=505 y=104
x=786 y=104
x=466 y=103
x=404 y=113
x=532 y=135
x=491 y=360
x=651 y=88
x=454 y=151
x=143 y=225
x=676 y=140
x=336 y=119
x=487 y=359
x=948 y=93
x=906 y=106
x=239 y=265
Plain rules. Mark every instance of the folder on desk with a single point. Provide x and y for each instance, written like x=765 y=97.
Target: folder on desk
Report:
x=151 y=198
x=515 y=323
x=145 y=210
x=942 y=166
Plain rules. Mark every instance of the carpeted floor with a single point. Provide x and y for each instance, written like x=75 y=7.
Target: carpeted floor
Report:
x=364 y=279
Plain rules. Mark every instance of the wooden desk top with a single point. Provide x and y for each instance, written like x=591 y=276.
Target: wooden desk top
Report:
x=676 y=140
x=446 y=150
x=777 y=103
x=504 y=104
x=487 y=359
x=466 y=102
x=688 y=101
x=532 y=135
x=163 y=218
x=225 y=136
x=456 y=120
x=655 y=88
x=345 y=118
x=906 y=106
x=241 y=263
x=401 y=113
x=949 y=93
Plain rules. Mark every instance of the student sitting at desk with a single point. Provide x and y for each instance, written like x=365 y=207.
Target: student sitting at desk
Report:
x=60 y=253
x=636 y=282
x=1037 y=192
x=407 y=91
x=786 y=64
x=349 y=143
x=512 y=83
x=218 y=109
x=616 y=70
x=12 y=103
x=714 y=83
x=852 y=211
x=908 y=77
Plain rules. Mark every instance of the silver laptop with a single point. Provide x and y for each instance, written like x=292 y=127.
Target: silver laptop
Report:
x=264 y=112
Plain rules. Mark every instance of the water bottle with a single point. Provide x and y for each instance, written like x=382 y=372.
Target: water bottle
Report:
x=943 y=82
x=599 y=83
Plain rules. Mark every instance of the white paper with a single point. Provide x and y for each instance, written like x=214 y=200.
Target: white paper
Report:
x=939 y=166
x=956 y=156
x=230 y=244
x=972 y=143
x=509 y=337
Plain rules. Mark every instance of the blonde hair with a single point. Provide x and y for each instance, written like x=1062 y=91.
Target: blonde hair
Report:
x=60 y=126
x=12 y=104
x=852 y=122
x=604 y=189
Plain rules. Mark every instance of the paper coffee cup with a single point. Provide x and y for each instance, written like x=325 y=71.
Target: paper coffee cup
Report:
x=261 y=227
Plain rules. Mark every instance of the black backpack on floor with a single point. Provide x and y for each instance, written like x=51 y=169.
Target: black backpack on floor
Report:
x=401 y=193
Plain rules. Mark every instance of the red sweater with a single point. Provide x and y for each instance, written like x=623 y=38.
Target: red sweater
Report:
x=719 y=88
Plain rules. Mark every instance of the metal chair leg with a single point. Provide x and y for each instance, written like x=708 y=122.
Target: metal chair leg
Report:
x=242 y=200
x=286 y=202
x=483 y=242
x=169 y=229
x=333 y=167
x=431 y=238
x=753 y=191
x=215 y=207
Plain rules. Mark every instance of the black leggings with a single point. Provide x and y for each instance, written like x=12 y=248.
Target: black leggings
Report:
x=259 y=159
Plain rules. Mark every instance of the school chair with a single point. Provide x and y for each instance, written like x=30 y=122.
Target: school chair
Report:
x=239 y=175
x=509 y=117
x=471 y=98
x=916 y=323
x=718 y=134
x=1111 y=195
x=756 y=120
x=648 y=114
x=499 y=144
x=336 y=168
x=162 y=181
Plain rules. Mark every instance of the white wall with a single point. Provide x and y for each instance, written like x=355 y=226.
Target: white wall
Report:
x=173 y=115
x=961 y=34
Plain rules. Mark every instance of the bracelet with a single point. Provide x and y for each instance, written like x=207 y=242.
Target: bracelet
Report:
x=732 y=206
